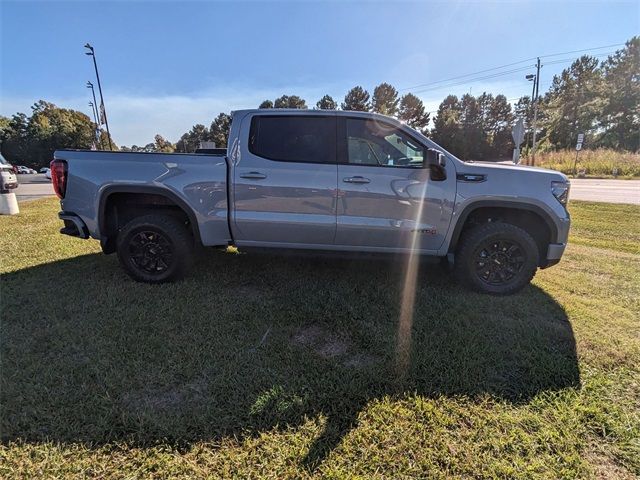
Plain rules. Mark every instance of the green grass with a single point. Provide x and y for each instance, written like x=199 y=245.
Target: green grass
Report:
x=595 y=163
x=271 y=367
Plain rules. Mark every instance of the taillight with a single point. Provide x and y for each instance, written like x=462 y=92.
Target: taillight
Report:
x=59 y=177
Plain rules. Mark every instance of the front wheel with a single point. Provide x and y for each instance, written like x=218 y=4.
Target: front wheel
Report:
x=497 y=258
x=155 y=248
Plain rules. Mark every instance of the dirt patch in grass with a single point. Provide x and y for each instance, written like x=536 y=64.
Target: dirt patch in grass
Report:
x=327 y=344
x=605 y=466
x=163 y=398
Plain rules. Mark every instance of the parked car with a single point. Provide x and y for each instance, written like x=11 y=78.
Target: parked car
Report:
x=317 y=180
x=47 y=173
x=8 y=179
x=25 y=170
x=43 y=170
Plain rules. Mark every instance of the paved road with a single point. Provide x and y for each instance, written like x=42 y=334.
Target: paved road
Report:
x=33 y=186
x=610 y=191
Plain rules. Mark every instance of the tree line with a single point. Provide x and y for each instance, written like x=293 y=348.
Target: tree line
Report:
x=599 y=99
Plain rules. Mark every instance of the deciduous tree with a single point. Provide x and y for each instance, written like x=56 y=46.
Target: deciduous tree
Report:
x=163 y=146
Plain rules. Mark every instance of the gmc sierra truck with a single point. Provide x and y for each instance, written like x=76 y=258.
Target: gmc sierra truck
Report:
x=317 y=180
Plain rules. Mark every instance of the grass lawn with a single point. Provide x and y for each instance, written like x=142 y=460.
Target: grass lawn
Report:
x=269 y=367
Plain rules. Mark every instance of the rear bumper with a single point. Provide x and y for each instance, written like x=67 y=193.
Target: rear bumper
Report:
x=73 y=225
x=554 y=254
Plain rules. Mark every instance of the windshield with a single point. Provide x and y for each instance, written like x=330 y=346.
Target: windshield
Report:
x=3 y=161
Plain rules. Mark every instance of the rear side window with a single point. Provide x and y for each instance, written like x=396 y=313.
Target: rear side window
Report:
x=295 y=138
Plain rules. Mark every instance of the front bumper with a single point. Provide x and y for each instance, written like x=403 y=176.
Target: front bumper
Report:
x=73 y=225
x=554 y=254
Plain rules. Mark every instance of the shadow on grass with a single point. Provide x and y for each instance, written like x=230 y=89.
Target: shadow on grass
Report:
x=247 y=344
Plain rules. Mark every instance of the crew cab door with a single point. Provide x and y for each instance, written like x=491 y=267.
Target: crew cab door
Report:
x=388 y=197
x=285 y=180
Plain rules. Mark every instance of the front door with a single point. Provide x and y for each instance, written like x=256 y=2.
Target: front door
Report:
x=285 y=180
x=387 y=196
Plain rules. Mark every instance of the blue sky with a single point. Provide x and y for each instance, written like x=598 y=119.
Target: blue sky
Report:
x=167 y=65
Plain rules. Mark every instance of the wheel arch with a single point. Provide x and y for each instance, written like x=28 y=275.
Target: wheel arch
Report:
x=525 y=215
x=149 y=196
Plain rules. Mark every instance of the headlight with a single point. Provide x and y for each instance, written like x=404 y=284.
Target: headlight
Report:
x=560 y=190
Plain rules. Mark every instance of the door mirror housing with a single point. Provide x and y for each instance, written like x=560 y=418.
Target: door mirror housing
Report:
x=436 y=158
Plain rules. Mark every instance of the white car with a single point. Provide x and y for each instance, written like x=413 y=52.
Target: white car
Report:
x=22 y=170
x=47 y=173
x=8 y=179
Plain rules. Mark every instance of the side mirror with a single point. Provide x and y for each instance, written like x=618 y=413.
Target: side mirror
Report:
x=434 y=157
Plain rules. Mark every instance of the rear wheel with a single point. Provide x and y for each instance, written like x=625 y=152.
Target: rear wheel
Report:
x=155 y=248
x=497 y=258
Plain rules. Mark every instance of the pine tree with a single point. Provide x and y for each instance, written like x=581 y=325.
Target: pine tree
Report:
x=385 y=100
x=326 y=103
x=412 y=112
x=357 y=99
x=620 y=118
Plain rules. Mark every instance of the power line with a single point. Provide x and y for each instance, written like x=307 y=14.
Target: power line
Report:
x=468 y=74
x=486 y=77
x=584 y=50
x=505 y=66
x=565 y=60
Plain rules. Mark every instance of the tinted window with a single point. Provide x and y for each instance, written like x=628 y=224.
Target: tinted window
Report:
x=294 y=139
x=370 y=142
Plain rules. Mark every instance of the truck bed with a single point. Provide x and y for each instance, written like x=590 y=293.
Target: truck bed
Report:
x=195 y=179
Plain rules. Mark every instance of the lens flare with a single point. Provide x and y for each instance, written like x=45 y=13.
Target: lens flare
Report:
x=408 y=295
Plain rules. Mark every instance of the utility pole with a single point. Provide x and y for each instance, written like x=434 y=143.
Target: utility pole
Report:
x=535 y=112
x=102 y=110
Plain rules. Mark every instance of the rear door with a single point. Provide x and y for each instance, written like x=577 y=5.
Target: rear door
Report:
x=285 y=180
x=388 y=198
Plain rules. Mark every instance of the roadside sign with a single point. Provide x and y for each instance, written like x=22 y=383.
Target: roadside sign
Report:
x=518 y=132
x=578 y=148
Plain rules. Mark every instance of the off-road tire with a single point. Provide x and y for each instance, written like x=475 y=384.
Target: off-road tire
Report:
x=492 y=242
x=155 y=248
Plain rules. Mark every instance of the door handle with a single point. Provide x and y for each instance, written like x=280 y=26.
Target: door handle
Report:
x=253 y=175
x=356 y=179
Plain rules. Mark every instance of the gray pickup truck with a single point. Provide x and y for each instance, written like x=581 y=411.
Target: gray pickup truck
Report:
x=317 y=180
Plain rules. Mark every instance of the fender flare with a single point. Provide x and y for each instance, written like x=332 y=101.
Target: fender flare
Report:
x=462 y=218
x=143 y=189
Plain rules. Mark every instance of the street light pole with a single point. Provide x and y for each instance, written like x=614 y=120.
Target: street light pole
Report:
x=103 y=109
x=95 y=121
x=95 y=112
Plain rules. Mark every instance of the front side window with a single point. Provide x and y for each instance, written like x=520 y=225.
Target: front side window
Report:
x=374 y=143
x=295 y=138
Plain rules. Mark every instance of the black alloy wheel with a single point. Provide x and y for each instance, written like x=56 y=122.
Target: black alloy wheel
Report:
x=151 y=252
x=497 y=258
x=499 y=262
x=155 y=248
